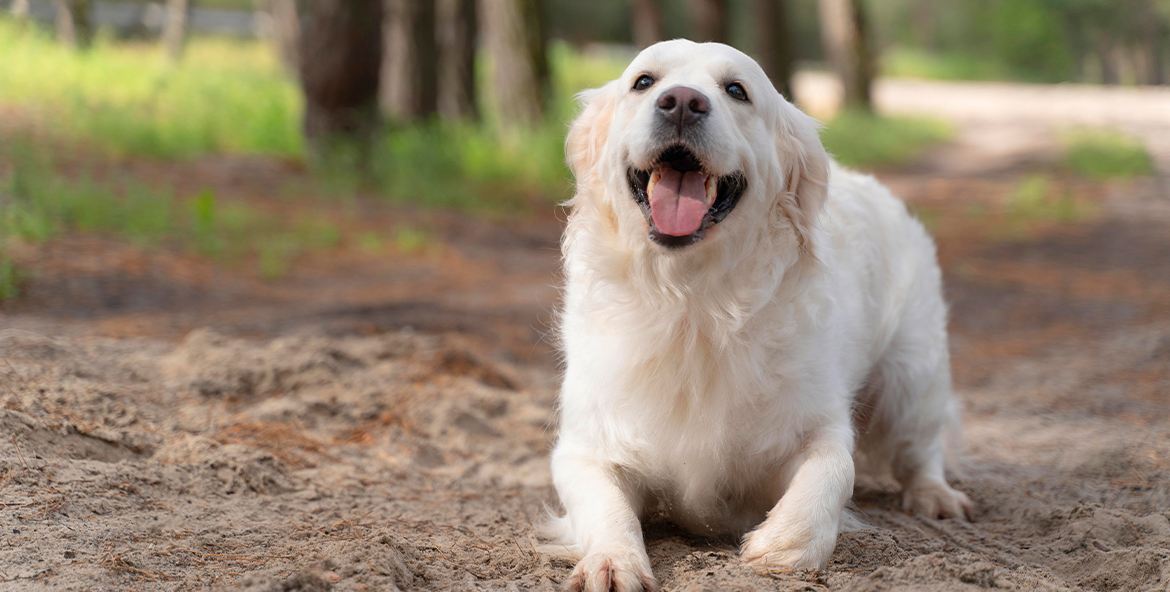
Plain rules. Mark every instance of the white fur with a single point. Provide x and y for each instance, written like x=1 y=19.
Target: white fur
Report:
x=727 y=382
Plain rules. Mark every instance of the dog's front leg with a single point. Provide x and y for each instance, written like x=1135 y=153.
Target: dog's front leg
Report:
x=801 y=530
x=601 y=520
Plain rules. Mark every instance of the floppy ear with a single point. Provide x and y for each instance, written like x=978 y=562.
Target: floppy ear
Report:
x=806 y=168
x=589 y=131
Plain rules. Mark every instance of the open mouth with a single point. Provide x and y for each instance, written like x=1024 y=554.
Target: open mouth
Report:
x=681 y=199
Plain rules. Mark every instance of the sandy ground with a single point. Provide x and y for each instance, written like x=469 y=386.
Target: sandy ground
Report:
x=384 y=424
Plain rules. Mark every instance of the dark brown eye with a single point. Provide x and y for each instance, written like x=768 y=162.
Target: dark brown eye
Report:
x=737 y=91
x=643 y=82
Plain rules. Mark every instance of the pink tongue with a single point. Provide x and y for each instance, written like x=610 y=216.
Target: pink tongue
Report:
x=679 y=202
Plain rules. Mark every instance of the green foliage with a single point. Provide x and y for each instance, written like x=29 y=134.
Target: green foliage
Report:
x=224 y=97
x=1102 y=154
x=411 y=240
x=1037 y=200
x=1028 y=36
x=42 y=204
x=1027 y=40
x=864 y=140
x=232 y=97
x=370 y=242
x=9 y=277
x=914 y=63
x=39 y=204
x=470 y=167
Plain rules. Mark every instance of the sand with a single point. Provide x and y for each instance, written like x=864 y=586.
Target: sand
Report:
x=415 y=462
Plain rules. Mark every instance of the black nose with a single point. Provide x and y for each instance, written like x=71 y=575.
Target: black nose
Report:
x=682 y=106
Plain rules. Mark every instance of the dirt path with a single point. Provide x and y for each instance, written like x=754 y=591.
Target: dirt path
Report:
x=1006 y=125
x=383 y=423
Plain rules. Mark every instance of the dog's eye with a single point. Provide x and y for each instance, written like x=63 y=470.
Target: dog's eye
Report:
x=643 y=82
x=737 y=91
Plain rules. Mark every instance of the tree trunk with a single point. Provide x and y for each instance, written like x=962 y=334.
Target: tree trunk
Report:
x=75 y=23
x=456 y=34
x=513 y=32
x=647 y=20
x=409 y=70
x=1152 y=54
x=175 y=28
x=1158 y=60
x=846 y=37
x=710 y=20
x=283 y=30
x=1110 y=72
x=775 y=49
x=20 y=11
x=924 y=21
x=341 y=59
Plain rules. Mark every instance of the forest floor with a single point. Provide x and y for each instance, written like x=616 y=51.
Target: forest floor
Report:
x=382 y=421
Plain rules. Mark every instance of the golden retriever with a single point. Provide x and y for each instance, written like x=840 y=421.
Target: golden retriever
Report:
x=741 y=317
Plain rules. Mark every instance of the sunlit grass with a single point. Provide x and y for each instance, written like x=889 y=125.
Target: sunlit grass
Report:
x=225 y=96
x=912 y=63
x=9 y=277
x=1037 y=201
x=39 y=205
x=232 y=97
x=1103 y=154
x=864 y=140
x=1036 y=198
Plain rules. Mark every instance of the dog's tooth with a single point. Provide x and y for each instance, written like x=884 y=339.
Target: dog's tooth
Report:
x=712 y=189
x=654 y=177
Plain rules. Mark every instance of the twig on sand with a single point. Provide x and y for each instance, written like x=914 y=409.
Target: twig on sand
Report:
x=116 y=563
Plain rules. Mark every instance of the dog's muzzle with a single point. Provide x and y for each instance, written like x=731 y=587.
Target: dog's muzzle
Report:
x=680 y=198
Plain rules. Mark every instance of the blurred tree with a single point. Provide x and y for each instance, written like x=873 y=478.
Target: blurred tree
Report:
x=775 y=48
x=457 y=30
x=647 y=21
x=845 y=33
x=410 y=79
x=341 y=59
x=595 y=21
x=923 y=20
x=710 y=18
x=284 y=30
x=175 y=28
x=75 y=23
x=20 y=11
x=514 y=34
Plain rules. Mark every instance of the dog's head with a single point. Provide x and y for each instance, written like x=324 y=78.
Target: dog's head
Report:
x=693 y=145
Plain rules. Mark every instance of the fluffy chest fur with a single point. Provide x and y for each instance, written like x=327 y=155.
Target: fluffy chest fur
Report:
x=701 y=387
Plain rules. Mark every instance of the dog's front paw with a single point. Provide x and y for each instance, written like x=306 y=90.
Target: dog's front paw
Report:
x=612 y=572
x=771 y=546
x=937 y=500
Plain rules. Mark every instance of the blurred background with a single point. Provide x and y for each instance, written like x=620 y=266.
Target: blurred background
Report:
x=464 y=105
x=302 y=257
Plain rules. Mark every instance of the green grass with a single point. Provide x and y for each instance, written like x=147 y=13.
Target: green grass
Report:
x=411 y=240
x=232 y=97
x=1102 y=154
x=912 y=63
x=864 y=140
x=225 y=96
x=10 y=278
x=1036 y=199
x=39 y=205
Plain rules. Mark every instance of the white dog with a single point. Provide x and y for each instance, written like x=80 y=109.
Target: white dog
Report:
x=740 y=317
